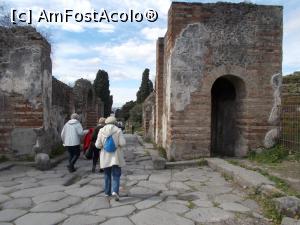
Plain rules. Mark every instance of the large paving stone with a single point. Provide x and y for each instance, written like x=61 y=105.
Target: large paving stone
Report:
x=290 y=221
x=138 y=177
x=91 y=204
x=118 y=221
x=142 y=192
x=49 y=197
x=203 y=203
x=84 y=220
x=4 y=198
x=8 y=215
x=192 y=196
x=20 y=203
x=209 y=215
x=148 y=202
x=216 y=190
x=288 y=205
x=172 y=207
x=163 y=177
x=152 y=185
x=41 y=218
x=125 y=210
x=8 y=183
x=235 y=207
x=155 y=216
x=228 y=198
x=56 y=206
x=31 y=192
x=85 y=191
x=125 y=201
x=175 y=185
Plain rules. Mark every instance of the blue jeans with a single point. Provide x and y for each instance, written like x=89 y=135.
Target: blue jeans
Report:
x=112 y=179
x=74 y=153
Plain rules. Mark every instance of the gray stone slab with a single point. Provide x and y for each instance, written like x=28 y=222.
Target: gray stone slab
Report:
x=242 y=176
x=235 y=207
x=90 y=204
x=4 y=198
x=163 y=177
x=125 y=201
x=6 y=223
x=209 y=215
x=288 y=205
x=41 y=218
x=155 y=216
x=176 y=185
x=20 y=203
x=192 y=196
x=84 y=220
x=138 y=177
x=152 y=185
x=55 y=196
x=31 y=192
x=8 y=183
x=85 y=191
x=56 y=206
x=118 y=221
x=172 y=207
x=8 y=215
x=53 y=181
x=148 y=202
x=203 y=204
x=228 y=198
x=142 y=192
x=125 y=210
x=289 y=221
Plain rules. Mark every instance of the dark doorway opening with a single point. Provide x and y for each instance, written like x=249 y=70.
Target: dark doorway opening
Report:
x=223 y=122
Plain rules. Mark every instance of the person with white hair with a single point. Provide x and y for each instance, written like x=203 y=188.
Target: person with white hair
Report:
x=71 y=136
x=111 y=140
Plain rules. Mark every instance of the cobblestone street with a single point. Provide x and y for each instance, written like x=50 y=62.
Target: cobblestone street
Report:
x=148 y=197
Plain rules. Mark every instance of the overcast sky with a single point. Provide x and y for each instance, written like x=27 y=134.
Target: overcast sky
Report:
x=124 y=50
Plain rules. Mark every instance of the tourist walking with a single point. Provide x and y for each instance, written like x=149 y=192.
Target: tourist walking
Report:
x=71 y=135
x=96 y=151
x=111 y=140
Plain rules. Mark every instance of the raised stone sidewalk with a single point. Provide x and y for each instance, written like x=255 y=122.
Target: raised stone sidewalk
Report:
x=195 y=195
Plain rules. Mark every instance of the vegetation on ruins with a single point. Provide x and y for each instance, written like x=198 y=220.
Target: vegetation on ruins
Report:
x=101 y=86
x=146 y=87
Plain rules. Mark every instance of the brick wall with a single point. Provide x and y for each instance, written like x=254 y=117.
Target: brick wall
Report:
x=239 y=42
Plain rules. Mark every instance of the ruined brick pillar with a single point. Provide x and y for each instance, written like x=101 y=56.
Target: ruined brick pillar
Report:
x=159 y=90
x=25 y=91
x=221 y=79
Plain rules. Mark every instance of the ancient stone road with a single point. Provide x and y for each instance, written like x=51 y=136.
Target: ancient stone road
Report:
x=148 y=197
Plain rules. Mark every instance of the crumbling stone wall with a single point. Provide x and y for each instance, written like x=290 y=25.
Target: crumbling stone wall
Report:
x=240 y=43
x=25 y=91
x=291 y=89
x=34 y=106
x=149 y=117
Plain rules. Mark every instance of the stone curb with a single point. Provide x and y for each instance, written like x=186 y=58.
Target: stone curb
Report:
x=192 y=163
x=53 y=163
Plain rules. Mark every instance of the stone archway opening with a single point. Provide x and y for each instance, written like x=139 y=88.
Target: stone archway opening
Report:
x=227 y=93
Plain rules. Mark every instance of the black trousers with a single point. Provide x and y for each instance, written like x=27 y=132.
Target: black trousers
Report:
x=74 y=153
x=96 y=153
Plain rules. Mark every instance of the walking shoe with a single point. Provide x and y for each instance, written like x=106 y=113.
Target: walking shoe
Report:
x=101 y=170
x=115 y=196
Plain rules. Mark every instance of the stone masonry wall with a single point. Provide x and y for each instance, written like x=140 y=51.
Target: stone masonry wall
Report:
x=25 y=90
x=149 y=116
x=239 y=42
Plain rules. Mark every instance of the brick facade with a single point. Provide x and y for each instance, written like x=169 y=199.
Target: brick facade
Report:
x=221 y=78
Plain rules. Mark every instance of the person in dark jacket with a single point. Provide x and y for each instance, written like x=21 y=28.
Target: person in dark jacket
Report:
x=96 y=151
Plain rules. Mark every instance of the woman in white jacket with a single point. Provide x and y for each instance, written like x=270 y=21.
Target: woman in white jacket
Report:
x=111 y=162
x=71 y=135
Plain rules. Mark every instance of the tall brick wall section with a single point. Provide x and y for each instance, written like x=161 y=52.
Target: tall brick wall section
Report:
x=25 y=90
x=241 y=43
x=159 y=90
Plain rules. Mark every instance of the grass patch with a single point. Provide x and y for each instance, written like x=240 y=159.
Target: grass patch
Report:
x=202 y=162
x=191 y=205
x=273 y=155
x=162 y=152
x=216 y=204
x=3 y=158
x=59 y=150
x=227 y=177
x=268 y=208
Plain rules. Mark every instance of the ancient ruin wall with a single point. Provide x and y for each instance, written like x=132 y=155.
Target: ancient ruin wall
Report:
x=149 y=111
x=25 y=90
x=205 y=42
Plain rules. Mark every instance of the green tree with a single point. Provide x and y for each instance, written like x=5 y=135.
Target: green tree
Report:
x=101 y=86
x=124 y=112
x=146 y=87
x=136 y=114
